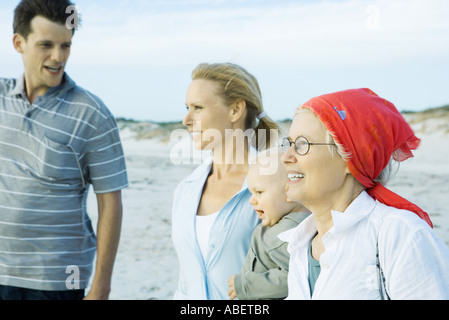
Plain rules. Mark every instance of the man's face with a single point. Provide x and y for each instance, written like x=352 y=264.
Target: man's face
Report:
x=45 y=53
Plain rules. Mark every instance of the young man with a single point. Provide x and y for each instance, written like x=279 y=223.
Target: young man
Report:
x=56 y=139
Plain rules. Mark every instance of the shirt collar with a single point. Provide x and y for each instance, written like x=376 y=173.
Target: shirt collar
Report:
x=301 y=234
x=19 y=87
x=66 y=85
x=201 y=171
x=359 y=209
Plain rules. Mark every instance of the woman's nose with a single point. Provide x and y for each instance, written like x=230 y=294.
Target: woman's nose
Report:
x=187 y=119
x=289 y=156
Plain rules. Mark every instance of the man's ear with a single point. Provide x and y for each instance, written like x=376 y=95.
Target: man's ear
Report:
x=18 y=42
x=238 y=110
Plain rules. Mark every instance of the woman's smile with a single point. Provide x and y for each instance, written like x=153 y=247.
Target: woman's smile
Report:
x=295 y=177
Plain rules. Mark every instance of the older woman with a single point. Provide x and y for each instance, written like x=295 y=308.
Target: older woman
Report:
x=362 y=241
x=212 y=219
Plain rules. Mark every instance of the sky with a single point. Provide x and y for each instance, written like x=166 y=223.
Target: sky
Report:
x=138 y=55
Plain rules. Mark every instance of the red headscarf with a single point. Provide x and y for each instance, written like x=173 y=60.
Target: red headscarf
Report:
x=371 y=129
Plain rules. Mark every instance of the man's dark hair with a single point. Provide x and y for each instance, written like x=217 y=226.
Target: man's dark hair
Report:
x=53 y=10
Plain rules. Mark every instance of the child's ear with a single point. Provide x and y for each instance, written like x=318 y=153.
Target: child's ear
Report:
x=238 y=110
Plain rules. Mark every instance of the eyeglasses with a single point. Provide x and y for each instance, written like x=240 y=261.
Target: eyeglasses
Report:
x=302 y=145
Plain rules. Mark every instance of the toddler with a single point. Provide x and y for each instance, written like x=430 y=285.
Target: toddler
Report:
x=264 y=274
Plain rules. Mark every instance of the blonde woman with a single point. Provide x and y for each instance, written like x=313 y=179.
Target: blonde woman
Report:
x=212 y=217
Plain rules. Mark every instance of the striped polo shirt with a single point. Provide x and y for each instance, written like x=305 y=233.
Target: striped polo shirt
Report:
x=51 y=151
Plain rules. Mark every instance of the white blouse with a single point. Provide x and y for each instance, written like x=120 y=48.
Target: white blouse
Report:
x=203 y=226
x=414 y=260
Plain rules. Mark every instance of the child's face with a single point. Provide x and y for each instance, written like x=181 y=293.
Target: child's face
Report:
x=268 y=196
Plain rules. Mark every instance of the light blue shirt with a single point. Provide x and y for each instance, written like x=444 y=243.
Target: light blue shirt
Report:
x=230 y=238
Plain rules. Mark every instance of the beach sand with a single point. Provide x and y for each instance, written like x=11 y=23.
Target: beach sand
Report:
x=146 y=266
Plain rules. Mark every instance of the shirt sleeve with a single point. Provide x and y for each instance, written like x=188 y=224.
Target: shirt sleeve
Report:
x=105 y=160
x=272 y=284
x=415 y=263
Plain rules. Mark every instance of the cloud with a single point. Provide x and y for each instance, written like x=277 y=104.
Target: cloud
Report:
x=296 y=34
x=299 y=34
x=296 y=48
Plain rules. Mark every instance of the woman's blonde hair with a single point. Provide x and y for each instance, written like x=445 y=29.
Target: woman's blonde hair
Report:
x=235 y=83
